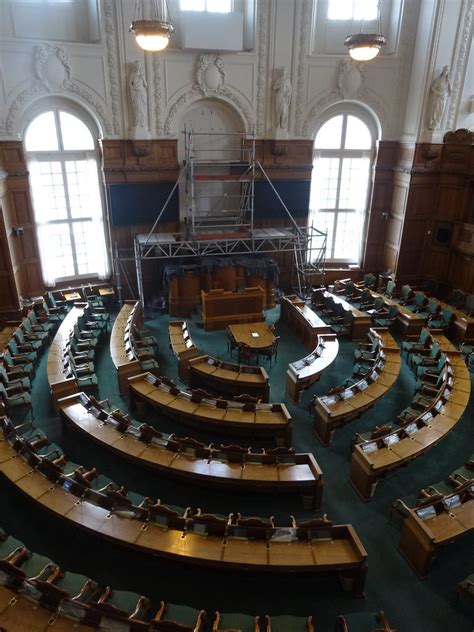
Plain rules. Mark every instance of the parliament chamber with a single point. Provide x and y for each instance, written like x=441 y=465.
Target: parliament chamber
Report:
x=236 y=316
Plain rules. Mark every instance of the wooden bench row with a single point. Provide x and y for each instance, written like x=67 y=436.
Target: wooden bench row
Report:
x=345 y=404
x=323 y=548
x=229 y=467
x=373 y=460
x=227 y=417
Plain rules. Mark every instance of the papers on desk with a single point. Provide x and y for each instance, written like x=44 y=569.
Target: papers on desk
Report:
x=151 y=379
x=426 y=417
x=411 y=428
x=346 y=394
x=447 y=393
x=425 y=513
x=284 y=535
x=329 y=400
x=451 y=501
x=362 y=385
x=439 y=405
x=370 y=447
x=374 y=376
x=391 y=439
x=255 y=334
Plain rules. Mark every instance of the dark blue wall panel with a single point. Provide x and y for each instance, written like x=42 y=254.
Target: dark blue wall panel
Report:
x=140 y=203
x=294 y=193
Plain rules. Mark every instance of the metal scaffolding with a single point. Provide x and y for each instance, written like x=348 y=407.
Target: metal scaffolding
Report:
x=219 y=217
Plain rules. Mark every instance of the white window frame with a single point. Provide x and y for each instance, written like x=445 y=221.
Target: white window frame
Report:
x=206 y=10
x=339 y=154
x=63 y=156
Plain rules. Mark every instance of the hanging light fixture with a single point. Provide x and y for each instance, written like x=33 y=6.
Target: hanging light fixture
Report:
x=152 y=34
x=366 y=46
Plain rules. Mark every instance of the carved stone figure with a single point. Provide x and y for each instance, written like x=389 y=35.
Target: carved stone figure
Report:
x=138 y=94
x=439 y=92
x=282 y=89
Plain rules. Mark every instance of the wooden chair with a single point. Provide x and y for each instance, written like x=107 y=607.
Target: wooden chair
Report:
x=242 y=622
x=288 y=623
x=172 y=618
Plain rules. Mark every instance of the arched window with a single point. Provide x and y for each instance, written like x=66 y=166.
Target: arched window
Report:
x=62 y=161
x=343 y=151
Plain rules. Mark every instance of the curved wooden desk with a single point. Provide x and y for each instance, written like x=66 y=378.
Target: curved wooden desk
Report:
x=254 y=472
x=250 y=420
x=57 y=367
x=302 y=320
x=228 y=378
x=373 y=460
x=427 y=528
x=335 y=411
x=122 y=354
x=335 y=549
x=301 y=374
x=182 y=346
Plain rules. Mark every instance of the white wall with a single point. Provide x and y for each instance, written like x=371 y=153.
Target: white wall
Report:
x=95 y=74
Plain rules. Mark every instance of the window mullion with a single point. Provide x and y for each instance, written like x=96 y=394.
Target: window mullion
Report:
x=69 y=216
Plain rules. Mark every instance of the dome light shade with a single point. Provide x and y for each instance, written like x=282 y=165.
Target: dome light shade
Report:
x=152 y=35
x=364 y=46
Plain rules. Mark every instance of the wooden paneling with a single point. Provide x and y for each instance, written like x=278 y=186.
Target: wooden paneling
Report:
x=140 y=161
x=18 y=213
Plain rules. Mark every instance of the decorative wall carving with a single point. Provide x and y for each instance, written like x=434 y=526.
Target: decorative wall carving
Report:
x=52 y=67
x=263 y=27
x=459 y=137
x=461 y=57
x=158 y=93
x=304 y=22
x=210 y=74
x=73 y=87
x=229 y=95
x=351 y=79
x=112 y=63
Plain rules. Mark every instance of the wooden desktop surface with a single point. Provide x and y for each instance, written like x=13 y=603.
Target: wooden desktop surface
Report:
x=304 y=476
x=341 y=552
x=243 y=334
x=206 y=414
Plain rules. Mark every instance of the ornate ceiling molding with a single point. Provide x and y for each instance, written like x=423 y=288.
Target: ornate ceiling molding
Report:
x=461 y=58
x=264 y=8
x=112 y=63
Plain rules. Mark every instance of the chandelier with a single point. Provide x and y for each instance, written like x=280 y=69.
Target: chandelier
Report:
x=153 y=32
x=366 y=46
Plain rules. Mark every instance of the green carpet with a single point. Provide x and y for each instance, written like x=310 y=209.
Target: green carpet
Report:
x=409 y=604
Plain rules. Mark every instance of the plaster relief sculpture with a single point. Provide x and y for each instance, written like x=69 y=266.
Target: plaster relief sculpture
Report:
x=350 y=79
x=210 y=74
x=282 y=98
x=138 y=95
x=439 y=93
x=52 y=67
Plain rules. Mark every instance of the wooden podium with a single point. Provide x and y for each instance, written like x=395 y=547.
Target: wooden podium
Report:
x=221 y=308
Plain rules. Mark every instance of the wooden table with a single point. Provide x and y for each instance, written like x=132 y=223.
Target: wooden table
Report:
x=296 y=473
x=245 y=334
x=301 y=374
